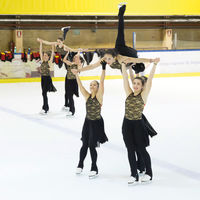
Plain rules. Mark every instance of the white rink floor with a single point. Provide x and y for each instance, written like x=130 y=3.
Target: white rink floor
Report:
x=39 y=154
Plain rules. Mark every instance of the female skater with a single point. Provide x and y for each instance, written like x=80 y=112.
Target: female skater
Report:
x=93 y=129
x=121 y=53
x=150 y=130
x=133 y=129
x=71 y=86
x=46 y=81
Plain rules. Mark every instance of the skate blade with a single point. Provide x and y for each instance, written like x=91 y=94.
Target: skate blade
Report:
x=146 y=182
x=78 y=174
x=133 y=183
x=93 y=177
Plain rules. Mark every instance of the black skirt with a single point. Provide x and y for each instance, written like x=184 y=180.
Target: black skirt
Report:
x=135 y=133
x=71 y=86
x=93 y=132
x=47 y=84
x=149 y=128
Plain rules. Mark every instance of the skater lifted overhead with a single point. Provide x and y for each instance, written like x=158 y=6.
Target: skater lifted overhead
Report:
x=121 y=52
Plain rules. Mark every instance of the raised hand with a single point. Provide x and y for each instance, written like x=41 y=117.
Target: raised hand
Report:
x=39 y=40
x=103 y=64
x=156 y=60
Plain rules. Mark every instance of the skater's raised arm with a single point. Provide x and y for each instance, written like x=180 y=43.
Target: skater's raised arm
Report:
x=52 y=54
x=65 y=59
x=101 y=87
x=127 y=87
x=131 y=74
x=84 y=92
x=148 y=85
x=41 y=53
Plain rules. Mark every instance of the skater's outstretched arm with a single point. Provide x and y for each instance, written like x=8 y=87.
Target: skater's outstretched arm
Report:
x=1 y=73
x=84 y=92
x=127 y=60
x=90 y=67
x=127 y=87
x=46 y=42
x=148 y=85
x=101 y=87
x=66 y=48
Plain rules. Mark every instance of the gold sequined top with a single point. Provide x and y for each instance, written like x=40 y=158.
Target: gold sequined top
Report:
x=93 y=108
x=61 y=50
x=70 y=75
x=116 y=65
x=134 y=106
x=45 y=69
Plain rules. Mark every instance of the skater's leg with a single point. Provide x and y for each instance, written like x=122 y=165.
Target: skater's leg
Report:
x=44 y=93
x=66 y=93
x=140 y=162
x=120 y=41
x=65 y=30
x=83 y=153
x=71 y=103
x=93 y=154
x=147 y=161
x=132 y=162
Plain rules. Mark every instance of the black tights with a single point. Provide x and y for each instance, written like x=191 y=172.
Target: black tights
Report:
x=120 y=43
x=69 y=101
x=93 y=153
x=133 y=164
x=45 y=88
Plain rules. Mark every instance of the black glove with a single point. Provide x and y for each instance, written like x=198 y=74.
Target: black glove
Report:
x=138 y=67
x=103 y=64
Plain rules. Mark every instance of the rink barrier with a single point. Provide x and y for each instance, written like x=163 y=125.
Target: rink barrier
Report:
x=21 y=80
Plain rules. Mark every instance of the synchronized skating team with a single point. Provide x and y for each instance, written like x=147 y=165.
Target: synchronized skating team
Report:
x=135 y=127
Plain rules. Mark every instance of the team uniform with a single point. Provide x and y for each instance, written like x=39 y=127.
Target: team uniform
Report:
x=46 y=84
x=93 y=133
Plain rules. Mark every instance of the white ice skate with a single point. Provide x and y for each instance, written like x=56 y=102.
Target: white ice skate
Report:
x=43 y=112
x=146 y=179
x=69 y=114
x=132 y=181
x=65 y=108
x=78 y=170
x=121 y=4
x=93 y=174
x=66 y=27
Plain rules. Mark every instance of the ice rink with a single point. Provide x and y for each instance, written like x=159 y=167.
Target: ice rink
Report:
x=39 y=154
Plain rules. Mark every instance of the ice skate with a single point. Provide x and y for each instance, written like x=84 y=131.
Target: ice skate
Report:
x=78 y=170
x=69 y=114
x=132 y=181
x=146 y=179
x=121 y=4
x=66 y=28
x=43 y=112
x=65 y=108
x=93 y=174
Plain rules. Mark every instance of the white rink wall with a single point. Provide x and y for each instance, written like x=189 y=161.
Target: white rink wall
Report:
x=172 y=61
x=177 y=61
